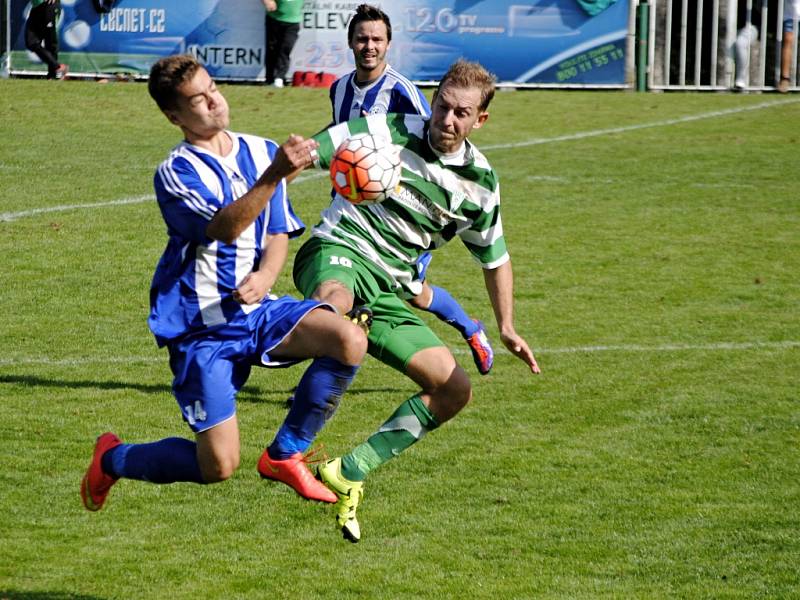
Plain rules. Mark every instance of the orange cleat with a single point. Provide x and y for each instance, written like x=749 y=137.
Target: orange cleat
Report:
x=295 y=473
x=96 y=484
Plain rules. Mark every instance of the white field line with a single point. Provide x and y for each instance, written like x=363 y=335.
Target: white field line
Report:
x=634 y=348
x=11 y=216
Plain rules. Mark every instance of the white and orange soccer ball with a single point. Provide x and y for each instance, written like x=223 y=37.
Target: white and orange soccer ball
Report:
x=365 y=168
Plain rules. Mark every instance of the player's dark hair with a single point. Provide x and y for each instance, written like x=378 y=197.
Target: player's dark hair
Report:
x=466 y=74
x=167 y=75
x=365 y=12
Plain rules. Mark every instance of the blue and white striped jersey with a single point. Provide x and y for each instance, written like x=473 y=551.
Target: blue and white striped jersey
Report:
x=390 y=93
x=193 y=284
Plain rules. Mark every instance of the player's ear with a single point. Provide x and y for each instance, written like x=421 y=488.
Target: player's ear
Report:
x=482 y=118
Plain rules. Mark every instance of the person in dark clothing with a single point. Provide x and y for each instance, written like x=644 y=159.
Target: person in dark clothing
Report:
x=283 y=28
x=41 y=35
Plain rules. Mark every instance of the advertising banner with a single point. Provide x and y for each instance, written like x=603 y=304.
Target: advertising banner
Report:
x=546 y=41
x=227 y=35
x=578 y=42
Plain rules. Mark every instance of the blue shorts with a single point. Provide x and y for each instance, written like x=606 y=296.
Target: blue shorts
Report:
x=210 y=368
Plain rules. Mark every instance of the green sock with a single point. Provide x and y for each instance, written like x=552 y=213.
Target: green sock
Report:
x=409 y=423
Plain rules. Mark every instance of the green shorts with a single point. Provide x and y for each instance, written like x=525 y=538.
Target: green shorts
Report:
x=397 y=333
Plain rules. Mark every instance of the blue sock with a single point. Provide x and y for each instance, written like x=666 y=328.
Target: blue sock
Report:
x=166 y=461
x=445 y=307
x=316 y=399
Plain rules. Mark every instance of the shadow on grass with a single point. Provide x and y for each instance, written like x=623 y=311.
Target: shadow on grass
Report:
x=33 y=380
x=15 y=595
x=249 y=393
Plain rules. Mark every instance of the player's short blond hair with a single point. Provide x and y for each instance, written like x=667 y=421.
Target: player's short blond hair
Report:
x=167 y=75
x=466 y=74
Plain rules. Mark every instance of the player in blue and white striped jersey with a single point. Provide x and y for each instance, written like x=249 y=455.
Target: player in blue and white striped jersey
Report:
x=374 y=87
x=223 y=198
x=202 y=278
x=388 y=92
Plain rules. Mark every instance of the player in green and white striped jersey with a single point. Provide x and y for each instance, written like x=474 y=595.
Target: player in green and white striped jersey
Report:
x=366 y=254
x=439 y=197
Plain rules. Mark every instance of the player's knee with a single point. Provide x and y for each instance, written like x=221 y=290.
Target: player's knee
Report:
x=450 y=397
x=352 y=346
x=220 y=468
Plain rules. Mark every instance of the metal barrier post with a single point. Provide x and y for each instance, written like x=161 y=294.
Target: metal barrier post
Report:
x=642 y=31
x=714 y=40
x=630 y=46
x=730 y=42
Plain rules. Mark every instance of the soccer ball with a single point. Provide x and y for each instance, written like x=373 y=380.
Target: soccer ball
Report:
x=365 y=168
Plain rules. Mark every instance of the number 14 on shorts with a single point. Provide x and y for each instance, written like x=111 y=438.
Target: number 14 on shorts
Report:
x=195 y=413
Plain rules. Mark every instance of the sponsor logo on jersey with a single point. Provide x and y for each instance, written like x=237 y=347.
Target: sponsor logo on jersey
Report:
x=412 y=199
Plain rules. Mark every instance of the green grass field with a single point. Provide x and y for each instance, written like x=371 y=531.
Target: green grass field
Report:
x=656 y=247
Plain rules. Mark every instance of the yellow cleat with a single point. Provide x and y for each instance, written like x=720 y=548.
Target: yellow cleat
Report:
x=360 y=316
x=349 y=494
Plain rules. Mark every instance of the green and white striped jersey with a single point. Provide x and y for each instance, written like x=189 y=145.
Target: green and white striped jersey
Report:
x=435 y=201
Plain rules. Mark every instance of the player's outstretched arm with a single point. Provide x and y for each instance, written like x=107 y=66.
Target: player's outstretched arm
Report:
x=229 y=222
x=500 y=286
